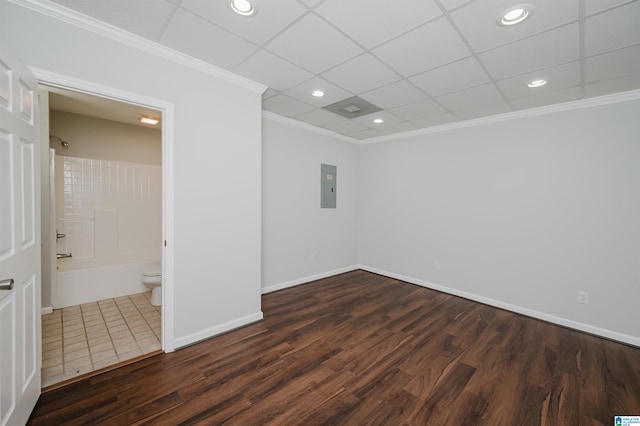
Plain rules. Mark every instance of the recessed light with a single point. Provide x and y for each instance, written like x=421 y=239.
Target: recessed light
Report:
x=243 y=7
x=317 y=93
x=148 y=120
x=515 y=15
x=537 y=83
x=378 y=121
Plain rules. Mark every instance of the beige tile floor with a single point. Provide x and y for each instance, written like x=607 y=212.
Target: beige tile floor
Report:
x=84 y=338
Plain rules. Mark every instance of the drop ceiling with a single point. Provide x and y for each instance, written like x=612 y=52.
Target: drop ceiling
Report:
x=423 y=62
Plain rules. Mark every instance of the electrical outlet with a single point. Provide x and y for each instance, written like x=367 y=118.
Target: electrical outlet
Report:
x=436 y=265
x=583 y=297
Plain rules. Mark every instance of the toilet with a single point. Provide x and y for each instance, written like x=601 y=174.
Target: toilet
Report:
x=152 y=278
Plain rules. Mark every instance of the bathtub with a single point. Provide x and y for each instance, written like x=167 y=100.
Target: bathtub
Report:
x=78 y=286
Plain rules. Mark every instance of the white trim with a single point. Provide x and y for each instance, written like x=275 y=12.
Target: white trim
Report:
x=632 y=95
x=46 y=310
x=78 y=85
x=587 y=328
x=111 y=32
x=306 y=126
x=218 y=329
x=293 y=283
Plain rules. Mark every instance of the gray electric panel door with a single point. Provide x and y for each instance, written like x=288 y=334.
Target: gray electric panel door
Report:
x=328 y=180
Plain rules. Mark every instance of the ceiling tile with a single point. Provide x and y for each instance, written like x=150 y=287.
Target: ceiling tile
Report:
x=452 y=77
x=610 y=30
x=418 y=110
x=550 y=98
x=320 y=117
x=484 y=110
x=201 y=39
x=538 y=52
x=454 y=4
x=356 y=19
x=361 y=74
x=560 y=77
x=594 y=6
x=424 y=48
x=388 y=118
x=478 y=21
x=611 y=65
x=143 y=17
x=268 y=69
x=436 y=120
x=631 y=82
x=365 y=134
x=284 y=105
x=332 y=92
x=272 y=17
x=394 y=95
x=313 y=44
x=397 y=128
x=346 y=127
x=471 y=98
x=310 y=3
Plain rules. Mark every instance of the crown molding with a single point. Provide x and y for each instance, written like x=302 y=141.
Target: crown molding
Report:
x=119 y=35
x=632 y=95
x=306 y=126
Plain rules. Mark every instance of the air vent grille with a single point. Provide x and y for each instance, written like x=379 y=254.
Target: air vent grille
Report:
x=352 y=107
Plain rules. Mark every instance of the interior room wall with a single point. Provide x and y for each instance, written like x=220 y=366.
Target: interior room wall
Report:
x=300 y=240
x=101 y=139
x=216 y=163
x=522 y=214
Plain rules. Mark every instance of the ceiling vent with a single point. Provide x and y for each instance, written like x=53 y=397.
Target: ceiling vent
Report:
x=352 y=107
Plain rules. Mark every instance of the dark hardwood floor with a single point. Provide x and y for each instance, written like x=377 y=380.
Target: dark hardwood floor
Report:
x=360 y=349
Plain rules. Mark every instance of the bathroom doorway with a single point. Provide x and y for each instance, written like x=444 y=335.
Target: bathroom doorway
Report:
x=105 y=228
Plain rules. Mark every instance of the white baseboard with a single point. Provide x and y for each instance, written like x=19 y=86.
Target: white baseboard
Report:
x=218 y=329
x=46 y=310
x=587 y=328
x=304 y=280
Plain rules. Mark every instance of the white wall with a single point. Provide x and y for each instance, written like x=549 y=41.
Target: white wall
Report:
x=523 y=213
x=217 y=162
x=300 y=240
x=91 y=137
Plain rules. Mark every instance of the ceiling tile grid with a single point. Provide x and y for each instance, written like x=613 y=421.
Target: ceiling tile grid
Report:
x=424 y=62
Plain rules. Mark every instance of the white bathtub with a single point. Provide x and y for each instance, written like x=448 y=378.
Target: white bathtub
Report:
x=78 y=286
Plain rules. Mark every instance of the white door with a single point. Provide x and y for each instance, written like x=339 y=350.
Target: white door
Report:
x=20 y=331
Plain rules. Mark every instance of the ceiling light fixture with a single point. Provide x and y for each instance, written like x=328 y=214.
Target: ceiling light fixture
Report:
x=317 y=93
x=537 y=83
x=515 y=15
x=148 y=120
x=243 y=7
x=378 y=121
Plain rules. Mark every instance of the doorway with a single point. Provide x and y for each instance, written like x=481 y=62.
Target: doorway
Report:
x=128 y=329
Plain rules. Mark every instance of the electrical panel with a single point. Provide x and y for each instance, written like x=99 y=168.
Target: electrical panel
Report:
x=328 y=180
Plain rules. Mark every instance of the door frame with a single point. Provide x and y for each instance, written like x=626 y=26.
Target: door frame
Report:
x=166 y=108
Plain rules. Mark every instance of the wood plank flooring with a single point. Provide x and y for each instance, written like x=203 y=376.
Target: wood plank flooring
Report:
x=358 y=349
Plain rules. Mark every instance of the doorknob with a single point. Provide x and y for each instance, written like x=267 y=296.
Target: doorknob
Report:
x=6 y=284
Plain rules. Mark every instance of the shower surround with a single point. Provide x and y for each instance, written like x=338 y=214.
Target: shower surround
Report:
x=110 y=213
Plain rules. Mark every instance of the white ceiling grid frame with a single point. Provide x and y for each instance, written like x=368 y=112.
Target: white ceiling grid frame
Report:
x=625 y=32
x=191 y=34
x=313 y=44
x=355 y=18
x=605 y=28
x=272 y=17
x=409 y=54
x=361 y=74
